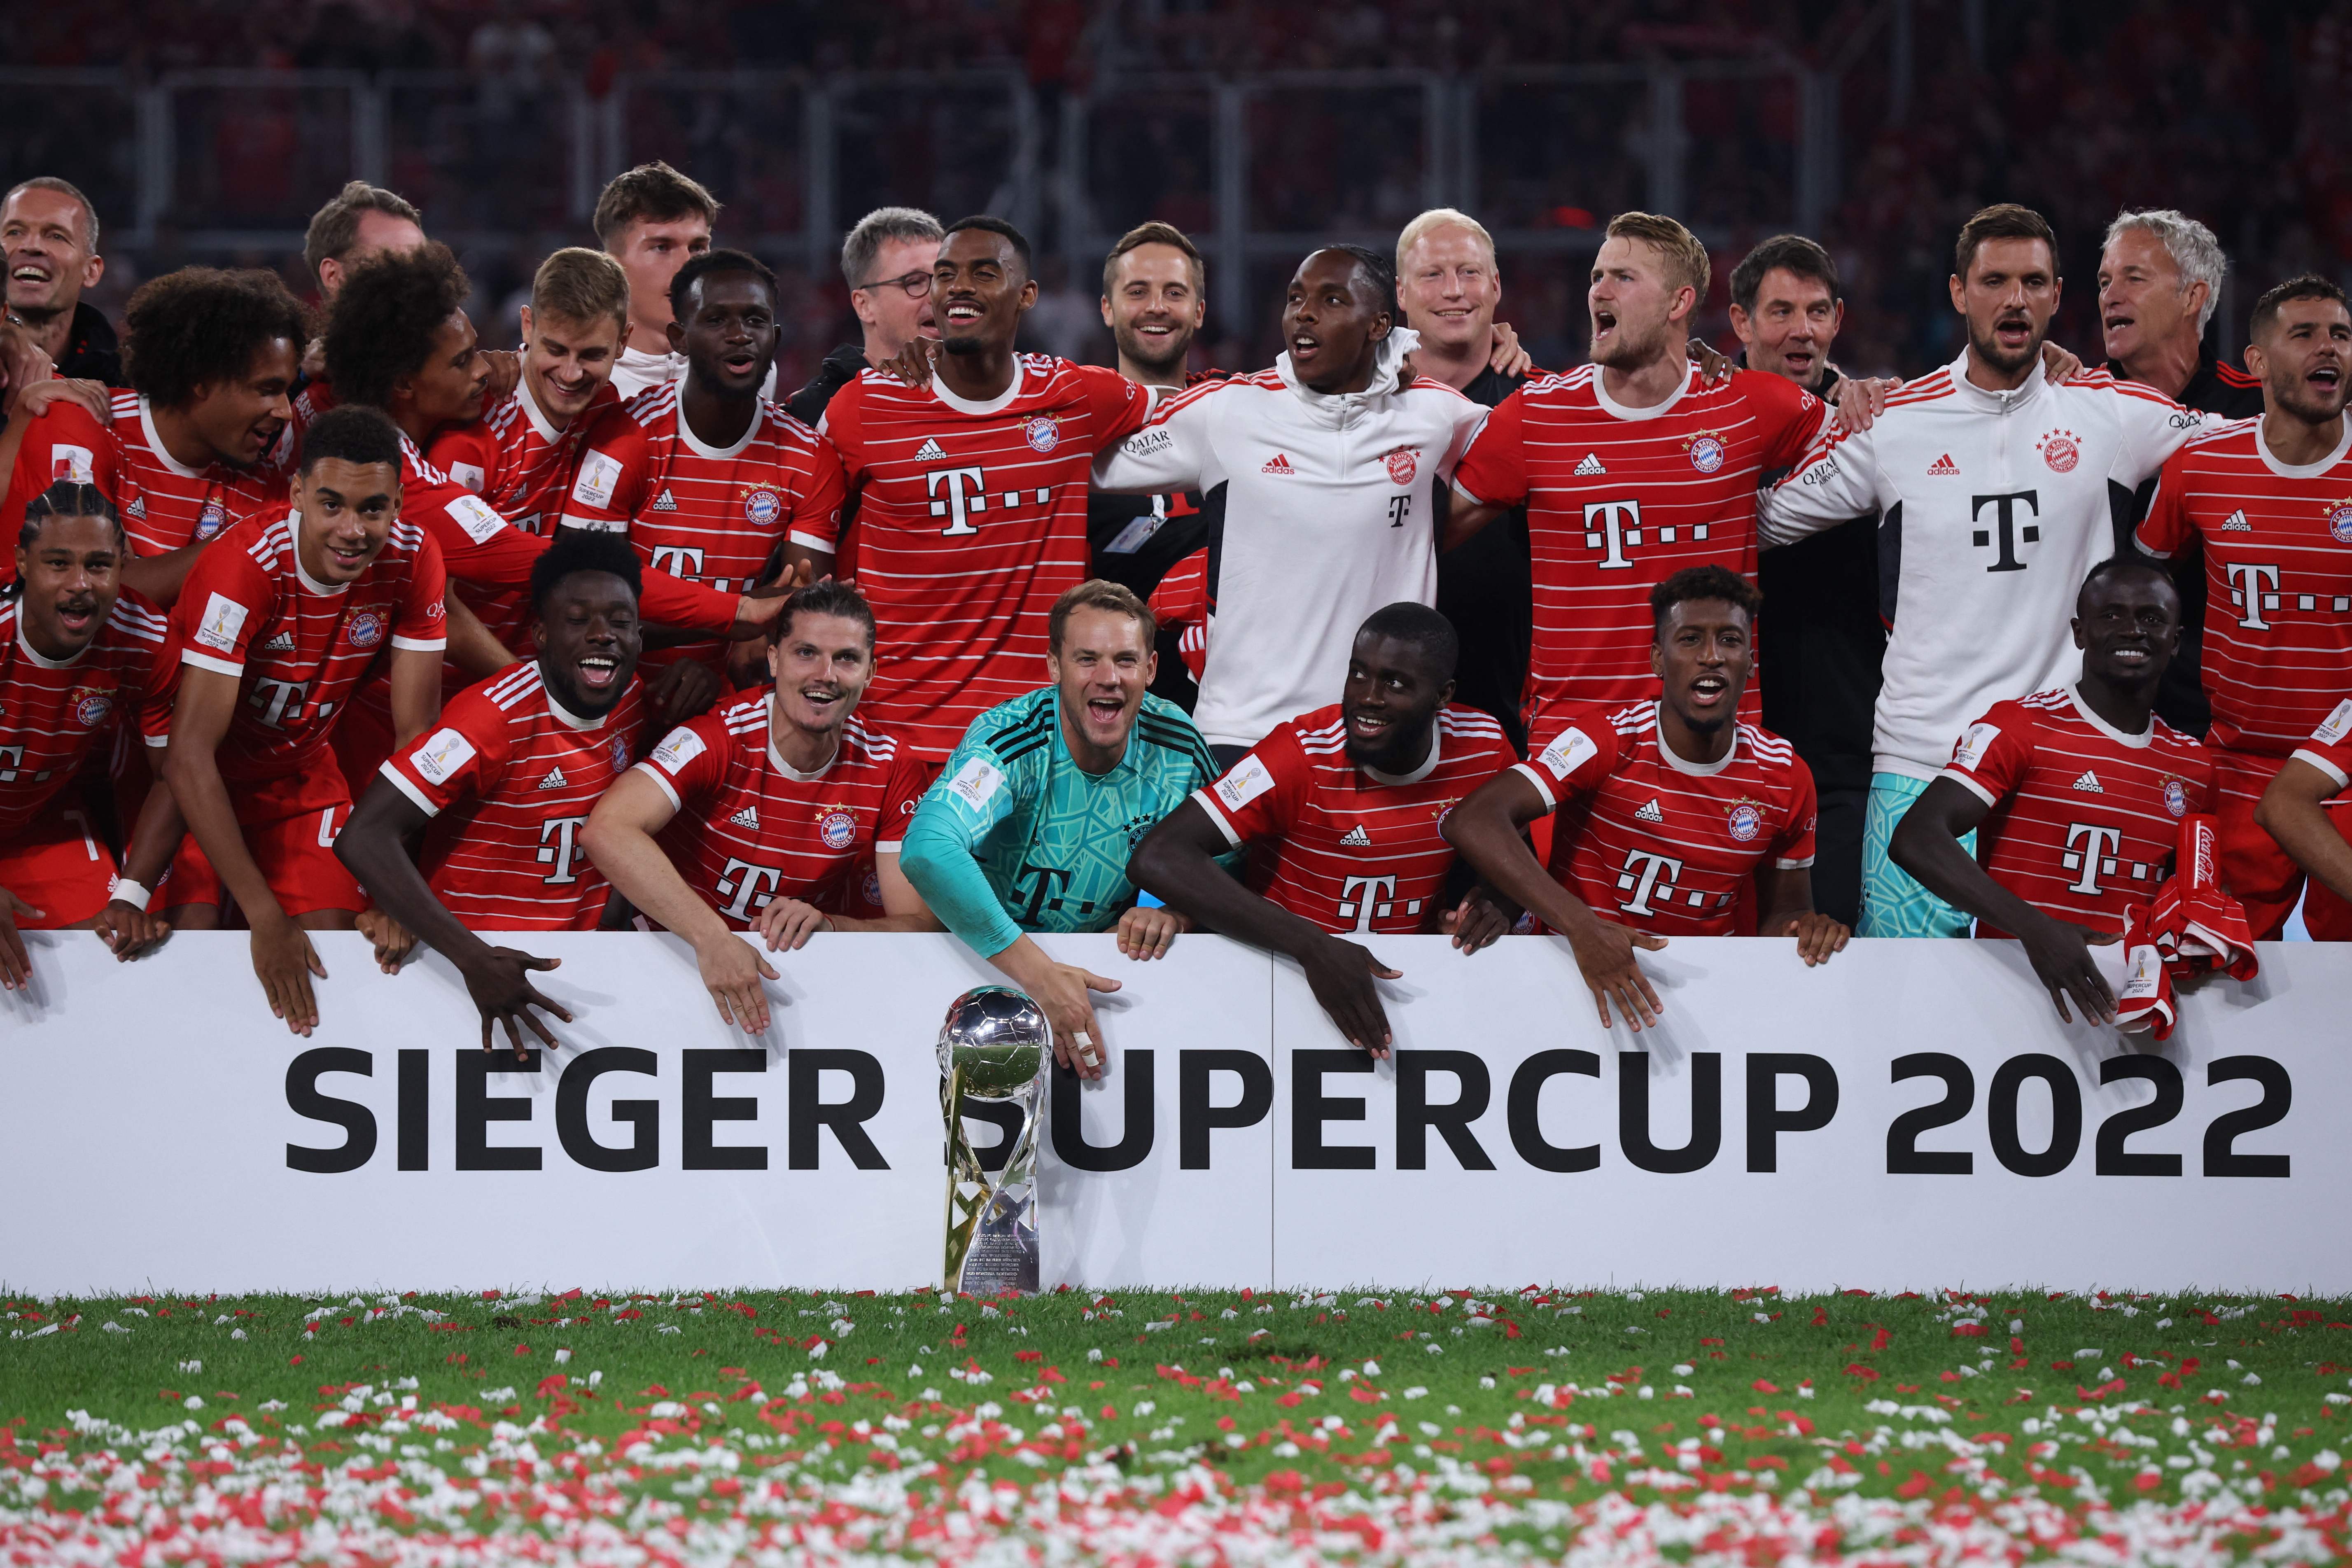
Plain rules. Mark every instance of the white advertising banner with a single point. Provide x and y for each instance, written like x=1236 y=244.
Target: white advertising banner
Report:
x=1911 y=1114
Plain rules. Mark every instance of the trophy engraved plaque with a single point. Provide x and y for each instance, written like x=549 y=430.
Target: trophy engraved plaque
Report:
x=994 y=1045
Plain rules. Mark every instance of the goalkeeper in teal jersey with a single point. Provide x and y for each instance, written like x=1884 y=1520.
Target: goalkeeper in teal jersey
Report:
x=1031 y=822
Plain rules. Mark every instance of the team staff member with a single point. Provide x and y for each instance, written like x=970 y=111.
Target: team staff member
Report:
x=2161 y=274
x=778 y=814
x=501 y=787
x=1347 y=799
x=76 y=656
x=2294 y=811
x=2080 y=791
x=2268 y=503
x=280 y=618
x=886 y=259
x=1666 y=808
x=48 y=239
x=1037 y=813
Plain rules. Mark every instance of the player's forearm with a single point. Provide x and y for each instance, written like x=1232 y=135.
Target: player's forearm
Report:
x=1185 y=878
x=1464 y=519
x=369 y=848
x=1930 y=851
x=923 y=922
x=1482 y=833
x=158 y=578
x=155 y=838
x=203 y=800
x=942 y=869
x=673 y=601
x=2301 y=826
x=472 y=648
x=642 y=873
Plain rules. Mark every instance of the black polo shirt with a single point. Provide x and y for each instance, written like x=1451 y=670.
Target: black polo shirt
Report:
x=1486 y=588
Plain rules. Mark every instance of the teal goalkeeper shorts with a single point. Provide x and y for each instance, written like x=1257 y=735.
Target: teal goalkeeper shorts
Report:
x=1891 y=903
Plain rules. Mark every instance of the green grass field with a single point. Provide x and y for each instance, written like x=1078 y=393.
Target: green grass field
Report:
x=1348 y=1423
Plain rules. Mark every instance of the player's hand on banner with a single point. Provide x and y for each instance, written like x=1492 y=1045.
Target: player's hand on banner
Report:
x=1604 y=953
x=499 y=984
x=506 y=371
x=2061 y=955
x=284 y=961
x=1146 y=932
x=1477 y=920
x=129 y=930
x=393 y=941
x=733 y=973
x=1714 y=367
x=16 y=963
x=2059 y=365
x=683 y=692
x=1507 y=357
x=1861 y=400
x=788 y=923
x=1340 y=974
x=1818 y=936
x=1079 y=1043
x=912 y=363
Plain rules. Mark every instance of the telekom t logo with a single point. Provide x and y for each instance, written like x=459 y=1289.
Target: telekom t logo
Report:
x=678 y=560
x=747 y=887
x=279 y=703
x=2095 y=843
x=1362 y=905
x=2005 y=521
x=12 y=758
x=566 y=852
x=957 y=502
x=1647 y=875
x=1611 y=525
x=2250 y=583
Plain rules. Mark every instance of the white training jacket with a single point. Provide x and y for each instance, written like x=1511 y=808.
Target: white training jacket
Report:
x=1993 y=506
x=1329 y=515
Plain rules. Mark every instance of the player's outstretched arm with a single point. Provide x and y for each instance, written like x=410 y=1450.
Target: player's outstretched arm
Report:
x=2291 y=811
x=1489 y=830
x=130 y=924
x=619 y=838
x=1926 y=844
x=472 y=648
x=902 y=908
x=1787 y=896
x=372 y=846
x=283 y=958
x=1177 y=861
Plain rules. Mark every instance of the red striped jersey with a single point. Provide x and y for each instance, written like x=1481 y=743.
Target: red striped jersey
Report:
x=2278 y=570
x=165 y=503
x=2085 y=817
x=709 y=514
x=508 y=777
x=519 y=461
x=1650 y=840
x=1181 y=604
x=298 y=646
x=1354 y=850
x=1621 y=499
x=53 y=712
x=750 y=829
x=2329 y=747
x=971 y=521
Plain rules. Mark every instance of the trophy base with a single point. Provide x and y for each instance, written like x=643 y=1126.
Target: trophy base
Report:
x=1004 y=1252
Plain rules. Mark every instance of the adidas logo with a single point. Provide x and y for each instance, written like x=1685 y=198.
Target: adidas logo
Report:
x=663 y=502
x=930 y=451
x=747 y=817
x=282 y=643
x=1649 y=813
x=1278 y=463
x=1943 y=467
x=138 y=507
x=554 y=778
x=2236 y=524
x=1591 y=466
x=2089 y=783
x=1357 y=838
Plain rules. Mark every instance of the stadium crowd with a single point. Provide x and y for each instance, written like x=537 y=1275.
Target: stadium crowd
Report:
x=347 y=622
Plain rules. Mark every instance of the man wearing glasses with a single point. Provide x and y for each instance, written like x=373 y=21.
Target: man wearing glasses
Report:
x=887 y=262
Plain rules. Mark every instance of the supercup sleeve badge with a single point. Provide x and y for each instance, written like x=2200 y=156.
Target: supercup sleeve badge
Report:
x=1704 y=449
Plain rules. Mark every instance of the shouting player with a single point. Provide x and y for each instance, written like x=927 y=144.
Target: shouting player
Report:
x=1349 y=799
x=280 y=619
x=1993 y=486
x=971 y=493
x=2270 y=500
x=764 y=814
x=1327 y=462
x=1666 y=809
x=710 y=480
x=1038 y=812
x=500 y=789
x=2080 y=792
x=75 y=658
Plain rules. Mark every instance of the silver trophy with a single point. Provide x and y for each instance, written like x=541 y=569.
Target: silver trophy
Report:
x=994 y=1045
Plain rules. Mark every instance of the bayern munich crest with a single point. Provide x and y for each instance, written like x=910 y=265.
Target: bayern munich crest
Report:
x=620 y=754
x=2058 y=450
x=89 y=706
x=209 y=520
x=1402 y=465
x=1705 y=450
x=763 y=506
x=1044 y=433
x=2176 y=798
x=2339 y=522
x=366 y=629
x=836 y=829
x=872 y=886
x=1746 y=822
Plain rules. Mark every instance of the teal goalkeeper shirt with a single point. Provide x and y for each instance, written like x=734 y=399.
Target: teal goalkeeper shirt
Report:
x=1016 y=837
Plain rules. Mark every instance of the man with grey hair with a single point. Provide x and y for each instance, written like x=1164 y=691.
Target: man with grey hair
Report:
x=886 y=261
x=2160 y=276
x=48 y=230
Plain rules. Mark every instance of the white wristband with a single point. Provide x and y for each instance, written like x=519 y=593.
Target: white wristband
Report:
x=127 y=892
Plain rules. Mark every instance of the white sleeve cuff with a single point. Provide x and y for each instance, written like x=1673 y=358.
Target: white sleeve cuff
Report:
x=1535 y=776
x=811 y=542
x=889 y=848
x=421 y=645
x=408 y=787
x=1217 y=815
x=2141 y=545
x=2324 y=765
x=1792 y=865
x=206 y=661
x=658 y=777
x=1455 y=479
x=1974 y=788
